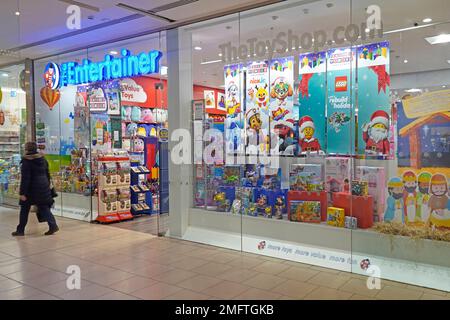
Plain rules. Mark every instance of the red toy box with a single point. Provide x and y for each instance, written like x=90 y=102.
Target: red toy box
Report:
x=320 y=196
x=360 y=207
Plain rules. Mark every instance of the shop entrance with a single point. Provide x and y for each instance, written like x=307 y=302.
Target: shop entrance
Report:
x=104 y=132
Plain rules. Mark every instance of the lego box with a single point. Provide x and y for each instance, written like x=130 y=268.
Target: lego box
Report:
x=305 y=211
x=336 y=217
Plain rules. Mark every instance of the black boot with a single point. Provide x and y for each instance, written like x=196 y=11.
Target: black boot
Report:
x=17 y=234
x=51 y=231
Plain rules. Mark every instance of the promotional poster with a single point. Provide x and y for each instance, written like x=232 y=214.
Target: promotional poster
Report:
x=257 y=108
x=234 y=122
x=341 y=100
x=282 y=117
x=374 y=107
x=312 y=98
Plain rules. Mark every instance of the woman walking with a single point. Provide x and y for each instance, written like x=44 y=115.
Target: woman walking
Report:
x=35 y=189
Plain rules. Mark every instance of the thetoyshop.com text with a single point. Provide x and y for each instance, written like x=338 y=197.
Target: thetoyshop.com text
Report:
x=288 y=42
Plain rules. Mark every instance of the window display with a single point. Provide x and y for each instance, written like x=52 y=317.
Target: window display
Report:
x=356 y=130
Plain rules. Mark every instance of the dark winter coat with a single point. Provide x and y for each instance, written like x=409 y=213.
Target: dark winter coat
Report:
x=35 y=180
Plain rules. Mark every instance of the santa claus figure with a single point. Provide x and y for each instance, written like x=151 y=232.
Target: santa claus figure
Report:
x=375 y=134
x=307 y=142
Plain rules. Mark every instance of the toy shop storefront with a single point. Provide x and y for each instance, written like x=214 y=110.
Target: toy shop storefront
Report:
x=100 y=113
x=334 y=148
x=102 y=122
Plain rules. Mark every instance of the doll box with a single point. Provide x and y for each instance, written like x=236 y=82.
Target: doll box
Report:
x=375 y=176
x=320 y=196
x=356 y=206
x=336 y=217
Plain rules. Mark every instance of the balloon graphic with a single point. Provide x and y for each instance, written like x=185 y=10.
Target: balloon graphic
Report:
x=50 y=97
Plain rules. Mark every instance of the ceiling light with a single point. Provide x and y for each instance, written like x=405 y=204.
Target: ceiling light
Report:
x=427 y=20
x=444 y=86
x=113 y=52
x=198 y=48
x=413 y=90
x=17 y=13
x=367 y=30
x=4 y=74
x=442 y=38
x=220 y=54
x=211 y=61
x=405 y=61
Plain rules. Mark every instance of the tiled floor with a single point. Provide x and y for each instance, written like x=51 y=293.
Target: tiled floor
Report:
x=118 y=263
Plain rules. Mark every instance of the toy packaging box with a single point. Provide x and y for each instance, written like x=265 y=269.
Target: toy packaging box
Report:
x=199 y=199
x=123 y=172
x=107 y=174
x=336 y=217
x=351 y=222
x=108 y=202
x=251 y=175
x=338 y=175
x=270 y=178
x=360 y=207
x=375 y=177
x=360 y=188
x=306 y=177
x=123 y=199
x=231 y=175
x=305 y=211
x=245 y=196
x=320 y=196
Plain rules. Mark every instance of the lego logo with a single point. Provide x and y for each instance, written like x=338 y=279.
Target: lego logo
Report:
x=340 y=84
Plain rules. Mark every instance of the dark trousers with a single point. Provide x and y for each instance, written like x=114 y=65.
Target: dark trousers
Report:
x=44 y=211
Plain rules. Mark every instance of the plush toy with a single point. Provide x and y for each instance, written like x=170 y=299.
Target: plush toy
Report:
x=126 y=113
x=136 y=114
x=131 y=129
x=142 y=130
x=147 y=115
x=138 y=145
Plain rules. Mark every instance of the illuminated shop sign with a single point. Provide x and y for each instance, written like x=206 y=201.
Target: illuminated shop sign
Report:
x=72 y=73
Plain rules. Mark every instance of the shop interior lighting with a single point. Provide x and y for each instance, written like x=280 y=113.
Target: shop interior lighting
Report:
x=442 y=38
x=427 y=20
x=211 y=61
x=197 y=48
x=413 y=90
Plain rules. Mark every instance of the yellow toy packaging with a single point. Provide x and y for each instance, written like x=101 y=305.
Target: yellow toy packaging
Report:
x=336 y=217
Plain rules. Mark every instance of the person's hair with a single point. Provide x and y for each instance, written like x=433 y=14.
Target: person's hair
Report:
x=30 y=147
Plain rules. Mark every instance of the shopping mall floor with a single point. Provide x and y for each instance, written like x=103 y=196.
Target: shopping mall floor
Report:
x=117 y=263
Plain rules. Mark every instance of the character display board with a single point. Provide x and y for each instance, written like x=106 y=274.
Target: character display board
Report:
x=311 y=96
x=257 y=108
x=341 y=64
x=374 y=106
x=282 y=116
x=234 y=122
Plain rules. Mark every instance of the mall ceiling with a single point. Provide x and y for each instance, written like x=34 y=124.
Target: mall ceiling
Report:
x=35 y=28
x=309 y=16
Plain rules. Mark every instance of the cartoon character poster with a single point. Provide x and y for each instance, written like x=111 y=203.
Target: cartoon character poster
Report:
x=210 y=101
x=282 y=116
x=419 y=198
x=221 y=101
x=374 y=107
x=341 y=100
x=234 y=122
x=311 y=97
x=257 y=108
x=100 y=132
